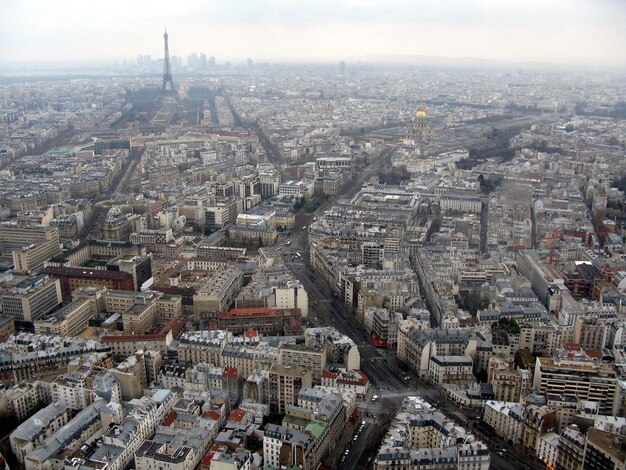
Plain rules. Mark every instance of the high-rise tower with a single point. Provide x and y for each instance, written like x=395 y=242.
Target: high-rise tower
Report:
x=167 y=70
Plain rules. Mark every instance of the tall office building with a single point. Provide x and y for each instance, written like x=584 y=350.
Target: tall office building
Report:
x=574 y=373
x=604 y=450
x=30 y=259
x=285 y=383
x=15 y=237
x=202 y=61
x=192 y=60
x=32 y=298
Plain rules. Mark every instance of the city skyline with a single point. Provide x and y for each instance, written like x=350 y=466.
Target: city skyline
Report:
x=578 y=32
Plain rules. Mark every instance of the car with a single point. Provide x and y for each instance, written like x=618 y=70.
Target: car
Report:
x=375 y=397
x=347 y=452
x=363 y=423
x=304 y=227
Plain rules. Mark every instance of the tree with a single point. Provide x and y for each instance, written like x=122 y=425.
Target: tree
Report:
x=394 y=175
x=509 y=325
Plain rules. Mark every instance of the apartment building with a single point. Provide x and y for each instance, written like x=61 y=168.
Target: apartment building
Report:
x=285 y=383
x=604 y=450
x=420 y=437
x=304 y=356
x=7 y=327
x=508 y=385
x=284 y=447
x=450 y=370
x=202 y=346
x=577 y=374
x=417 y=346
x=36 y=429
x=69 y=320
x=216 y=293
x=571 y=448
x=505 y=418
x=536 y=421
x=22 y=399
x=124 y=345
x=31 y=355
x=321 y=413
x=69 y=438
x=152 y=455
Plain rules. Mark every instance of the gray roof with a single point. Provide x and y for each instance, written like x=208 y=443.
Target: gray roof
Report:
x=68 y=433
x=36 y=425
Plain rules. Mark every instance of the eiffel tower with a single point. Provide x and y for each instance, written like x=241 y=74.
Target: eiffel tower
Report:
x=167 y=72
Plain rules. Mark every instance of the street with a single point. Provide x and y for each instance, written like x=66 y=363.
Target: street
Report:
x=380 y=365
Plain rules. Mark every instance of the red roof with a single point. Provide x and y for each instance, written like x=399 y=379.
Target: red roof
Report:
x=594 y=353
x=572 y=346
x=251 y=333
x=259 y=312
x=237 y=415
x=122 y=338
x=230 y=372
x=328 y=374
x=170 y=419
x=175 y=326
x=212 y=414
x=206 y=460
x=362 y=380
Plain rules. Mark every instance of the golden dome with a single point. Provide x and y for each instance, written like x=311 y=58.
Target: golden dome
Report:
x=421 y=112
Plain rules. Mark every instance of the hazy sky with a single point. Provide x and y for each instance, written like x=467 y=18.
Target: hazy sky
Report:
x=561 y=31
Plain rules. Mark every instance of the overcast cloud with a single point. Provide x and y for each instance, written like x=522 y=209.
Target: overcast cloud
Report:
x=590 y=32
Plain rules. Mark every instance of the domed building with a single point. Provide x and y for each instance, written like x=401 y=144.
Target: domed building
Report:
x=419 y=134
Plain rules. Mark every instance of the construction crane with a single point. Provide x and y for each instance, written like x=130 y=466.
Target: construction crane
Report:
x=589 y=238
x=552 y=236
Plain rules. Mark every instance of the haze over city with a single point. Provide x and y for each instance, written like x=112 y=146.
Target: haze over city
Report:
x=579 y=32
x=325 y=235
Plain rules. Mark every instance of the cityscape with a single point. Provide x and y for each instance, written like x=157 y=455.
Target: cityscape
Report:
x=351 y=261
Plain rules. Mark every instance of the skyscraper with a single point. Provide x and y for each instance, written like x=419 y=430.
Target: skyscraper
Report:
x=192 y=60
x=342 y=68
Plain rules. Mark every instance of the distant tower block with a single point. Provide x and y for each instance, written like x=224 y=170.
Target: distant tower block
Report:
x=419 y=134
x=167 y=71
x=342 y=68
